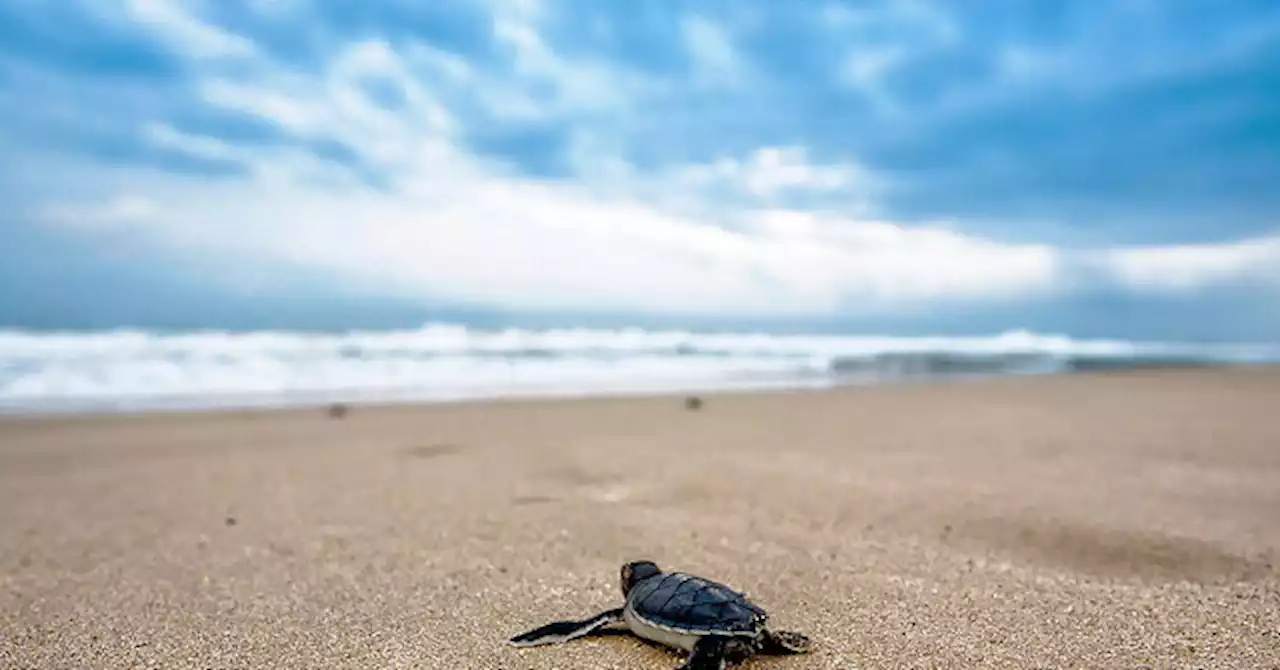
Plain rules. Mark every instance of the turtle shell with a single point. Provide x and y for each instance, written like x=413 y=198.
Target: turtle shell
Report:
x=686 y=602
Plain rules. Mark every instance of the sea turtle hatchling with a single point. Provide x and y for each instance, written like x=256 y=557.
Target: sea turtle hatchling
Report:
x=711 y=621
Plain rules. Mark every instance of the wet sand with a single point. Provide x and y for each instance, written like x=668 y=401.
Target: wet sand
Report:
x=1123 y=520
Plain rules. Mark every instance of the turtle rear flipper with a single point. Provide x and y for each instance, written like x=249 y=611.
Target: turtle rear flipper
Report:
x=784 y=642
x=708 y=654
x=563 y=631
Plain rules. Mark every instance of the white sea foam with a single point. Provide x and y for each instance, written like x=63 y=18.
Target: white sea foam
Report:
x=142 y=370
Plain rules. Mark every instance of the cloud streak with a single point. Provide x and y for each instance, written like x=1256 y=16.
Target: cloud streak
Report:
x=1188 y=268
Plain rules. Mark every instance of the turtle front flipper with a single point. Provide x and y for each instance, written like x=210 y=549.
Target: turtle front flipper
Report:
x=784 y=642
x=708 y=654
x=563 y=631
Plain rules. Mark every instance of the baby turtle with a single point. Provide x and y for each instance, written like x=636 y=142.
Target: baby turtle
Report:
x=711 y=621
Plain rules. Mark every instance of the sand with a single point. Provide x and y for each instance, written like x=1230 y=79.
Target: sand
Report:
x=1124 y=520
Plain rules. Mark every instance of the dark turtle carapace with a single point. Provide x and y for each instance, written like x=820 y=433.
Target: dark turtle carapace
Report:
x=711 y=621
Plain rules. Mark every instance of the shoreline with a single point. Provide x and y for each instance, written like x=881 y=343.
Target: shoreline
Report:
x=303 y=402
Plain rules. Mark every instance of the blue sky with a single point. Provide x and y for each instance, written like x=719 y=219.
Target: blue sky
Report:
x=1088 y=167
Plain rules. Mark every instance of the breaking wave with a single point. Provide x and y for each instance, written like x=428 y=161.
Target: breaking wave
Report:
x=133 y=370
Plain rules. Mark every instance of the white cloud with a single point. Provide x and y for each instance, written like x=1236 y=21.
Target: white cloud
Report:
x=490 y=240
x=865 y=66
x=716 y=61
x=278 y=107
x=769 y=171
x=1192 y=267
x=880 y=38
x=578 y=86
x=117 y=213
x=336 y=105
x=167 y=137
x=1104 y=60
x=888 y=264
x=174 y=24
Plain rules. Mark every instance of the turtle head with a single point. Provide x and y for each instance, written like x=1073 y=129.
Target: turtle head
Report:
x=635 y=571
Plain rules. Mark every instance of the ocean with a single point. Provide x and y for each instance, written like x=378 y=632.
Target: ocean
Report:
x=127 y=370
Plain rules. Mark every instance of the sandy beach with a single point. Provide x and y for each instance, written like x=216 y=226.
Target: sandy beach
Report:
x=1123 y=520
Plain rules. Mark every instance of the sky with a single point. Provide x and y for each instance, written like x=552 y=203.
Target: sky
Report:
x=896 y=166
